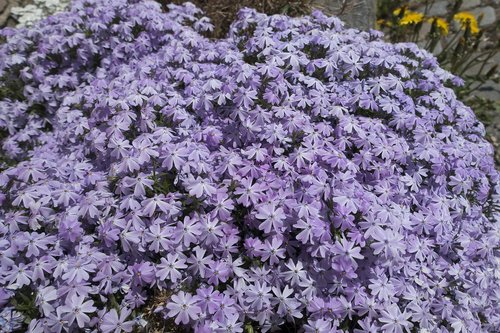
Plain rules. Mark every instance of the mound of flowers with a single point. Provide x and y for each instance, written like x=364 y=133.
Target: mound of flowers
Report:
x=296 y=175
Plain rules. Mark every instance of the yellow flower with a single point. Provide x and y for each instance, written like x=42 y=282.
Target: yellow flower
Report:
x=397 y=11
x=383 y=23
x=441 y=24
x=411 y=18
x=466 y=18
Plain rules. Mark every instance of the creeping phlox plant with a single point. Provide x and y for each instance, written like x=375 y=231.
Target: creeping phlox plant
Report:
x=296 y=175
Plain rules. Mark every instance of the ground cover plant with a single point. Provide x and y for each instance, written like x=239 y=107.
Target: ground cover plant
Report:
x=295 y=175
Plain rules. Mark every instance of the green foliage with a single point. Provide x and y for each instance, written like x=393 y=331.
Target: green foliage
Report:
x=24 y=302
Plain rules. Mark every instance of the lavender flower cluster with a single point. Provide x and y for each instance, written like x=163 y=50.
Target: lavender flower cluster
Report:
x=296 y=175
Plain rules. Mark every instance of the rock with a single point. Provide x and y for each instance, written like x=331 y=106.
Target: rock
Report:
x=4 y=15
x=489 y=15
x=3 y=4
x=437 y=49
x=6 y=19
x=11 y=22
x=468 y=4
x=438 y=8
x=359 y=14
x=489 y=91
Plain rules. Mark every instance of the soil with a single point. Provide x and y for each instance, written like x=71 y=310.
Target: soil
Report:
x=223 y=12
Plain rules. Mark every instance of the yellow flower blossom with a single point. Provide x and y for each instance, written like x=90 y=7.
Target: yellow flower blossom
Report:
x=465 y=18
x=441 y=24
x=383 y=23
x=409 y=17
x=397 y=11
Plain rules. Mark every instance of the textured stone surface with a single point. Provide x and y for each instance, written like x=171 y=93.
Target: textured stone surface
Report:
x=439 y=8
x=3 y=5
x=358 y=14
x=5 y=18
x=490 y=89
x=489 y=15
x=467 y=4
x=4 y=13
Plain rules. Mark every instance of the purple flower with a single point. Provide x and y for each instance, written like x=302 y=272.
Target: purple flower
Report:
x=183 y=306
x=44 y=297
x=249 y=193
x=294 y=273
x=159 y=237
x=211 y=230
x=272 y=251
x=76 y=309
x=199 y=262
x=387 y=242
x=112 y=322
x=381 y=287
x=231 y=324
x=170 y=268
x=296 y=173
x=259 y=295
x=209 y=299
x=78 y=270
x=395 y=321
x=347 y=251
x=187 y=231
x=273 y=217
x=318 y=326
x=286 y=305
x=19 y=275
x=143 y=273
x=200 y=187
x=217 y=272
x=70 y=230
